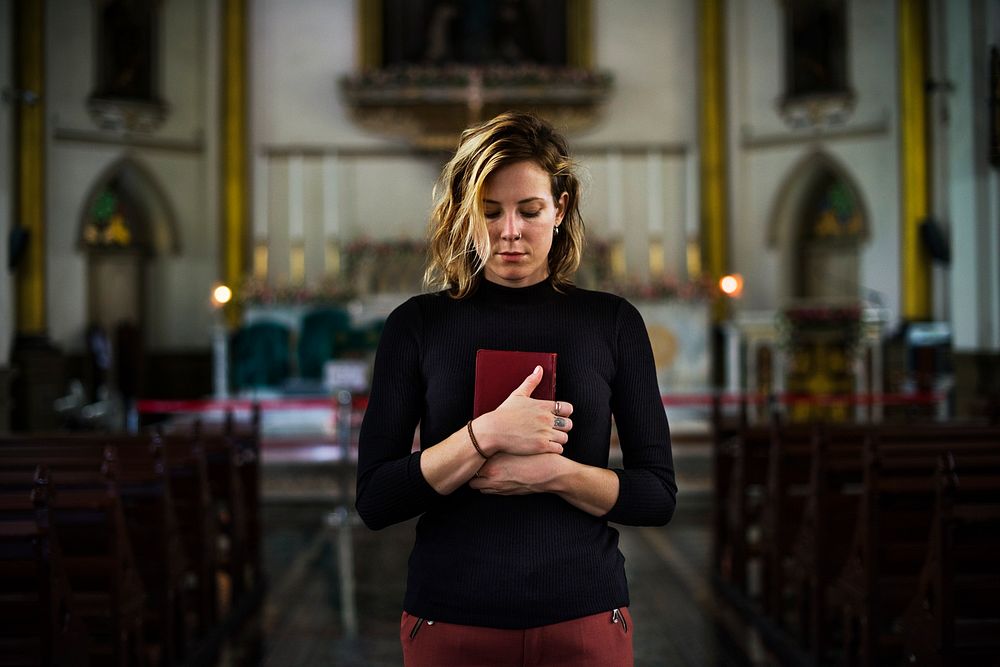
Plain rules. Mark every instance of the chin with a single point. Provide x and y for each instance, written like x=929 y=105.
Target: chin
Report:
x=515 y=277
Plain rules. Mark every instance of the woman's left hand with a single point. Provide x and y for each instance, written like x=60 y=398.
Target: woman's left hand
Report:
x=511 y=475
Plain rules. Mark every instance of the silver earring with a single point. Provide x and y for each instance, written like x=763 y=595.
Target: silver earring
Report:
x=555 y=230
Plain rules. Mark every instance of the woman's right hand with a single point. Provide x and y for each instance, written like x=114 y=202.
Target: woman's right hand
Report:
x=523 y=425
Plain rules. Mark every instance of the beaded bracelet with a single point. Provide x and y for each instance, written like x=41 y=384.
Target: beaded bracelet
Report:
x=475 y=443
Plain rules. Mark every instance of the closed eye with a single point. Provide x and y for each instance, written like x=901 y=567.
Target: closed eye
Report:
x=493 y=215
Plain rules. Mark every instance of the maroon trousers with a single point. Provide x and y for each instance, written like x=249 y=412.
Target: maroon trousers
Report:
x=599 y=640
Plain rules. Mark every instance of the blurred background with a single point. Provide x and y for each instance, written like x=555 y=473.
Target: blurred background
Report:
x=826 y=153
x=212 y=205
x=838 y=158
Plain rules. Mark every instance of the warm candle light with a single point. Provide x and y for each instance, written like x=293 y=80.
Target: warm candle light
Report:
x=221 y=295
x=731 y=285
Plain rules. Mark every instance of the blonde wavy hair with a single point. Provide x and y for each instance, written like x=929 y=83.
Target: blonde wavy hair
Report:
x=459 y=239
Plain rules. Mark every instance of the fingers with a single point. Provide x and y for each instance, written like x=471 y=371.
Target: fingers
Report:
x=562 y=409
x=562 y=424
x=529 y=383
x=531 y=426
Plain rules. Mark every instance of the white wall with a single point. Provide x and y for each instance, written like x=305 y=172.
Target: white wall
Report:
x=174 y=155
x=6 y=184
x=649 y=128
x=992 y=246
x=764 y=150
x=301 y=50
x=974 y=196
x=298 y=52
x=650 y=46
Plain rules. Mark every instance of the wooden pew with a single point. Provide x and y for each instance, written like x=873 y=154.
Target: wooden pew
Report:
x=247 y=444
x=819 y=549
x=187 y=474
x=814 y=491
x=173 y=489
x=788 y=476
x=232 y=454
x=150 y=518
x=158 y=543
x=88 y=518
x=233 y=468
x=157 y=540
x=197 y=479
x=724 y=433
x=741 y=550
x=889 y=544
x=954 y=619
x=39 y=624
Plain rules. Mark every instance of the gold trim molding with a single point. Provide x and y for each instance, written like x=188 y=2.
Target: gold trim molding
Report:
x=712 y=136
x=915 y=262
x=30 y=123
x=235 y=180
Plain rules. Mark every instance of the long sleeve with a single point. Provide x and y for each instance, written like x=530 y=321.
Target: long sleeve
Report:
x=647 y=488
x=525 y=560
x=391 y=487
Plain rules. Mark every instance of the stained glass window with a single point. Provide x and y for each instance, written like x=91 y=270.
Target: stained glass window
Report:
x=835 y=213
x=110 y=221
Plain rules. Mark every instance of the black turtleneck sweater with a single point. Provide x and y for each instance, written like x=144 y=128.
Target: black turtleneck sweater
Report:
x=514 y=561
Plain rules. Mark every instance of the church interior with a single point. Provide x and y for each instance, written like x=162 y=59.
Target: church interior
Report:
x=208 y=208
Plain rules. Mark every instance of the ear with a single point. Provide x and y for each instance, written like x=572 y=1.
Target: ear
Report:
x=561 y=207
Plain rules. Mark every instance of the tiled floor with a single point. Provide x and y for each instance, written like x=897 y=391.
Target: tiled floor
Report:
x=307 y=616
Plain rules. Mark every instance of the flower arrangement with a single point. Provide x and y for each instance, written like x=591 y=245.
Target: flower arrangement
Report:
x=822 y=316
x=843 y=323
x=665 y=288
x=369 y=266
x=257 y=292
x=397 y=265
x=392 y=265
x=385 y=249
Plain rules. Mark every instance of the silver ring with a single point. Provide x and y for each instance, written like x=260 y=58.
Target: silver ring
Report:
x=560 y=422
x=518 y=237
x=556 y=411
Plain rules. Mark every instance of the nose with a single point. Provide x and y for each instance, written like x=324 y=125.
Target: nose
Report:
x=511 y=227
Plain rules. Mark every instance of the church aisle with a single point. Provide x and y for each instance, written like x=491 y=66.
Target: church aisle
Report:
x=306 y=618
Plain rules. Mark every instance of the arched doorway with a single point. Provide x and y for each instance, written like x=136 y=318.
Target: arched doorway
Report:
x=830 y=233
x=126 y=222
x=819 y=227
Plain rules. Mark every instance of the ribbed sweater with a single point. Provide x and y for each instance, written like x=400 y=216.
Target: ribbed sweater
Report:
x=514 y=561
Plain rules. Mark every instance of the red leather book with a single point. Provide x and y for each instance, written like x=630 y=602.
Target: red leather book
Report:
x=499 y=372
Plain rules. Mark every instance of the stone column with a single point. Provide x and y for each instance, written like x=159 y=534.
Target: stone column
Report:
x=235 y=174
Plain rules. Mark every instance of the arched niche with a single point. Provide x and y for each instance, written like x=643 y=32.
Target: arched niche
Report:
x=126 y=221
x=155 y=219
x=818 y=225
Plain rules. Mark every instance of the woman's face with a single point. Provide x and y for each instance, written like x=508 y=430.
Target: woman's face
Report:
x=521 y=216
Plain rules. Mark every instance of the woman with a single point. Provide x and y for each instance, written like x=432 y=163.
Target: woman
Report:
x=514 y=562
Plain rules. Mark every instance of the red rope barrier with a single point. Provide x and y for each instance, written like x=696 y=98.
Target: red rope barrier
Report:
x=689 y=400
x=157 y=406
